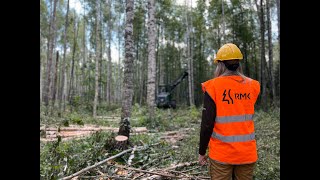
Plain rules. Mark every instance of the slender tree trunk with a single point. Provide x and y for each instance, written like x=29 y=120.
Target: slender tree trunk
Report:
x=161 y=58
x=271 y=75
x=151 y=59
x=109 y=77
x=278 y=13
x=76 y=89
x=127 y=92
x=71 y=88
x=61 y=94
x=119 y=64
x=40 y=70
x=95 y=102
x=246 y=59
x=256 y=63
x=46 y=69
x=263 y=62
x=191 y=60
x=52 y=32
x=100 y=94
x=157 y=58
x=219 y=36
x=142 y=76
x=137 y=78
x=55 y=82
x=190 y=64
x=223 y=23
x=84 y=56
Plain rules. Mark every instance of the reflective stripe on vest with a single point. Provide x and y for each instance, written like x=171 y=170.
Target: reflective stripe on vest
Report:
x=237 y=138
x=237 y=118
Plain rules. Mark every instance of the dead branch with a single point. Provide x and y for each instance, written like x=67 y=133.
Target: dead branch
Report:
x=153 y=177
x=203 y=177
x=195 y=173
x=100 y=172
x=131 y=155
x=191 y=169
x=139 y=175
x=180 y=173
x=157 y=159
x=97 y=164
x=138 y=148
x=174 y=137
x=149 y=172
x=181 y=165
x=113 y=177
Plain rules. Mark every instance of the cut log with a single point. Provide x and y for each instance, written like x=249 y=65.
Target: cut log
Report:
x=121 y=138
x=134 y=130
x=80 y=129
x=108 y=117
x=139 y=129
x=51 y=132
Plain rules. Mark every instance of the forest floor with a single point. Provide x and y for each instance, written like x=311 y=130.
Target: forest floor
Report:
x=166 y=148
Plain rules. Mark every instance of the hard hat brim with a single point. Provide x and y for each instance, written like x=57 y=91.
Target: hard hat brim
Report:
x=216 y=59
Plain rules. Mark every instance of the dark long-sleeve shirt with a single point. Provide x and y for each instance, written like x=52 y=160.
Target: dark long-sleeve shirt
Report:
x=207 y=122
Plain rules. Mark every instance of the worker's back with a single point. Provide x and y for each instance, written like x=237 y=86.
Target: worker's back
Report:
x=233 y=134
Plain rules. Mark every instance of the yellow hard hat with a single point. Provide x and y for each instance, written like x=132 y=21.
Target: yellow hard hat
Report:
x=228 y=51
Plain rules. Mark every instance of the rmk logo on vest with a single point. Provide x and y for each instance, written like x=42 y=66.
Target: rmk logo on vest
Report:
x=238 y=96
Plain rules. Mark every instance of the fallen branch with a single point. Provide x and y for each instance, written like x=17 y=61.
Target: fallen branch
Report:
x=153 y=177
x=203 y=177
x=191 y=169
x=157 y=159
x=94 y=177
x=195 y=173
x=180 y=173
x=174 y=167
x=104 y=161
x=181 y=165
x=173 y=137
x=139 y=175
x=149 y=172
x=95 y=165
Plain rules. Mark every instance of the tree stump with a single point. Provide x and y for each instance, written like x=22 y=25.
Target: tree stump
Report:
x=124 y=130
x=121 y=142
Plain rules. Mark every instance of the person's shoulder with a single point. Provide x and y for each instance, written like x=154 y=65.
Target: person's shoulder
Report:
x=209 y=81
x=254 y=81
x=208 y=84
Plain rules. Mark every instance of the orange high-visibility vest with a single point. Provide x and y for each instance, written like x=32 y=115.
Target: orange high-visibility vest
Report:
x=233 y=139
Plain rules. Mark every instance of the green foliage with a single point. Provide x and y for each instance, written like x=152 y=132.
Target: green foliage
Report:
x=194 y=113
x=103 y=108
x=75 y=101
x=58 y=159
x=267 y=125
x=75 y=118
x=65 y=122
